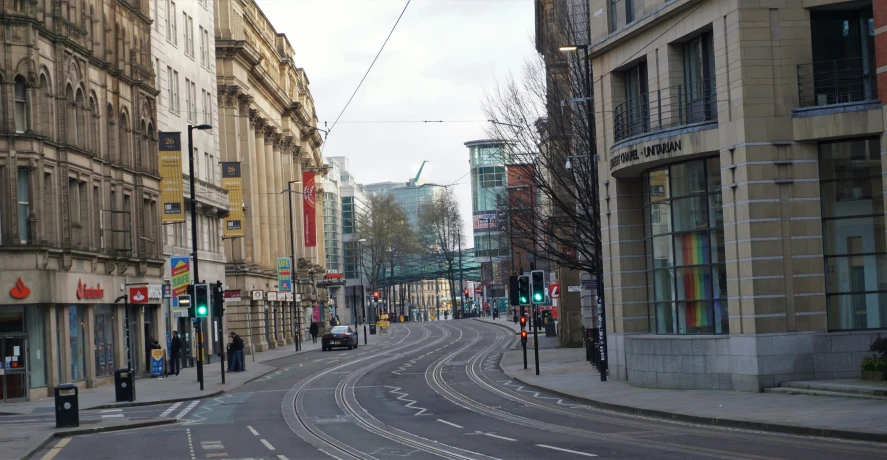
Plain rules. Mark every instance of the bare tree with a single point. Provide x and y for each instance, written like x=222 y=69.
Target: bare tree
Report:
x=440 y=234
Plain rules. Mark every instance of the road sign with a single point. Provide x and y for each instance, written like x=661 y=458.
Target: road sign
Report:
x=554 y=290
x=574 y=288
x=588 y=285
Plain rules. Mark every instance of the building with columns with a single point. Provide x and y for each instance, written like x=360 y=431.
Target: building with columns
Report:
x=79 y=211
x=267 y=123
x=741 y=159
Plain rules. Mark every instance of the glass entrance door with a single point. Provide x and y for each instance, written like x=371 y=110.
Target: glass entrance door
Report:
x=14 y=372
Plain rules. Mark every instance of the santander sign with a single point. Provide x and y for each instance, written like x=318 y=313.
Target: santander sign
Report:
x=84 y=292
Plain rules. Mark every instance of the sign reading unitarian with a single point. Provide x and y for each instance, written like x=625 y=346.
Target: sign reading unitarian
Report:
x=647 y=152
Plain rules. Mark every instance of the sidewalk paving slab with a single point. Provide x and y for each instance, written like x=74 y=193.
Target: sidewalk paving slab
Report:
x=564 y=371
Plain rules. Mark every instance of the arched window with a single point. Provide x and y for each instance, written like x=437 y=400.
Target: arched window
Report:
x=113 y=149
x=93 y=116
x=46 y=121
x=125 y=152
x=22 y=109
x=70 y=116
x=80 y=112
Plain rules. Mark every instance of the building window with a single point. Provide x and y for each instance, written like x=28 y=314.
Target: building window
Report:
x=206 y=47
x=188 y=100
x=171 y=32
x=169 y=82
x=633 y=115
x=202 y=46
x=347 y=215
x=104 y=341
x=192 y=105
x=21 y=105
x=684 y=223
x=700 y=103
x=853 y=234
x=629 y=11
x=613 y=22
x=188 y=35
x=843 y=67
x=76 y=329
x=24 y=203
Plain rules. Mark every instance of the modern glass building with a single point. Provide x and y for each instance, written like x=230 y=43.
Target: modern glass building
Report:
x=487 y=160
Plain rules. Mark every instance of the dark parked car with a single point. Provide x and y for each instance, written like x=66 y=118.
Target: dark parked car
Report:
x=339 y=336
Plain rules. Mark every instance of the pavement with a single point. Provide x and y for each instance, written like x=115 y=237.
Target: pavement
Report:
x=26 y=427
x=564 y=371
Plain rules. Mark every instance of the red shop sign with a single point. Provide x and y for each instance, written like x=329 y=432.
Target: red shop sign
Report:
x=138 y=294
x=84 y=292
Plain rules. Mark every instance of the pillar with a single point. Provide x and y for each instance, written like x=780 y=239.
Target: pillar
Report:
x=264 y=243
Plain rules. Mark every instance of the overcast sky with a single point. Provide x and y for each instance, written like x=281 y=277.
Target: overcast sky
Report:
x=442 y=56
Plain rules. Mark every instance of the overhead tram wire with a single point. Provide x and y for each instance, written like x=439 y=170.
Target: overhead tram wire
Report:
x=367 y=73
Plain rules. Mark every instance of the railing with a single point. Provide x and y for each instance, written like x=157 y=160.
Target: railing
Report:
x=666 y=108
x=72 y=31
x=837 y=82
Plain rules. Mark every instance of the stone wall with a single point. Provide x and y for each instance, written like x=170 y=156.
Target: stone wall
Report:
x=680 y=362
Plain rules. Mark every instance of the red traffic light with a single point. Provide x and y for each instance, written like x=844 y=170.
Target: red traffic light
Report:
x=523 y=322
x=375 y=294
x=523 y=335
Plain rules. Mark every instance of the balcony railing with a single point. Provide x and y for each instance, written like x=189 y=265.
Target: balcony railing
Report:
x=666 y=108
x=839 y=81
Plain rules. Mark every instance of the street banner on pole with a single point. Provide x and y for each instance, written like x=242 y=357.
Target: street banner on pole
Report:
x=284 y=275
x=233 y=182
x=180 y=274
x=172 y=189
x=309 y=209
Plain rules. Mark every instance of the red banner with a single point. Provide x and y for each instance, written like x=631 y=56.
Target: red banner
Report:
x=308 y=205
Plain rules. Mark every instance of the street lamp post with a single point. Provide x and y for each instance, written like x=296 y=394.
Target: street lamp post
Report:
x=297 y=338
x=196 y=276
x=362 y=293
x=595 y=194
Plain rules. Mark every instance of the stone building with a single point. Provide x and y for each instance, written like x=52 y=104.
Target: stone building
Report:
x=740 y=158
x=79 y=212
x=267 y=122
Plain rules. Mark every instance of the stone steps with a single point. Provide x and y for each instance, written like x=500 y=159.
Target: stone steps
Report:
x=856 y=389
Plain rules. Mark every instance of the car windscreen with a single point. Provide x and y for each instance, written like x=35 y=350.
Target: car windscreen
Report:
x=340 y=330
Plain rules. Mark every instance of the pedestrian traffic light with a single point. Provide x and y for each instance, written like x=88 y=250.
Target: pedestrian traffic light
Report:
x=523 y=289
x=185 y=302
x=523 y=322
x=201 y=300
x=523 y=337
x=537 y=285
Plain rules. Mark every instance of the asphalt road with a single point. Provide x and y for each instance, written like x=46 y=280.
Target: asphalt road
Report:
x=428 y=390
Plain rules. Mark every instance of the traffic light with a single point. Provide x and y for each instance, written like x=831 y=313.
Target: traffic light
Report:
x=537 y=285
x=523 y=337
x=190 y=298
x=465 y=293
x=523 y=289
x=376 y=295
x=185 y=302
x=218 y=300
x=512 y=290
x=523 y=322
x=201 y=300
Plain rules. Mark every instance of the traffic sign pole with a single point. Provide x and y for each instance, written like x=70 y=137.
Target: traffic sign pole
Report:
x=535 y=336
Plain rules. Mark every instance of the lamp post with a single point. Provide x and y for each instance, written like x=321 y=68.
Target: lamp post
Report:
x=363 y=304
x=595 y=194
x=195 y=277
x=290 y=191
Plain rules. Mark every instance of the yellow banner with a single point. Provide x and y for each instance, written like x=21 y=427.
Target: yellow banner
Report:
x=233 y=182
x=172 y=193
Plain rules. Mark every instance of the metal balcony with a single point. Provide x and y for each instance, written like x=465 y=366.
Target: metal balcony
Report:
x=666 y=108
x=839 y=81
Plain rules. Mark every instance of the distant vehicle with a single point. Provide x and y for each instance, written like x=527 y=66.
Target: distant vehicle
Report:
x=339 y=336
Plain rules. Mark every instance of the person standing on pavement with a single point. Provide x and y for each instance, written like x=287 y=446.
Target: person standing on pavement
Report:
x=237 y=353
x=313 y=329
x=175 y=349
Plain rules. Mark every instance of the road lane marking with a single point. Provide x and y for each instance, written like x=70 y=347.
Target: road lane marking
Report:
x=210 y=445
x=566 y=450
x=187 y=409
x=112 y=415
x=217 y=454
x=171 y=408
x=267 y=444
x=190 y=444
x=449 y=423
x=499 y=437
x=281 y=457
x=112 y=410
x=56 y=449
x=253 y=430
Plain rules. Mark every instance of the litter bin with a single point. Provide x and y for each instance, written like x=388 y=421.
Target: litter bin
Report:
x=124 y=385
x=372 y=329
x=67 y=410
x=550 y=330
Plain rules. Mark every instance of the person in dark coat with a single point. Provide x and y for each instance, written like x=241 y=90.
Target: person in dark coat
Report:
x=175 y=349
x=313 y=329
x=236 y=352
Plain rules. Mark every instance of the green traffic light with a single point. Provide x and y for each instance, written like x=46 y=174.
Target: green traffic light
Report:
x=537 y=298
x=523 y=299
x=201 y=310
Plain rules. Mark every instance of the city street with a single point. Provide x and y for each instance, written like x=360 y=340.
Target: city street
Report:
x=425 y=390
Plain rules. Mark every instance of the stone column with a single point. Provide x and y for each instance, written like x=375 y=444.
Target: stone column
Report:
x=264 y=243
x=271 y=196
x=280 y=199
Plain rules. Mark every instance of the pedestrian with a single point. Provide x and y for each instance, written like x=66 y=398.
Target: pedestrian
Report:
x=313 y=329
x=175 y=348
x=237 y=352
x=446 y=315
x=333 y=322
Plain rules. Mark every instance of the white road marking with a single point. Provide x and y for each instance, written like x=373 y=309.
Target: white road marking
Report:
x=253 y=430
x=112 y=416
x=281 y=457
x=566 y=450
x=187 y=409
x=267 y=444
x=208 y=445
x=449 y=423
x=499 y=437
x=190 y=444
x=112 y=410
x=171 y=408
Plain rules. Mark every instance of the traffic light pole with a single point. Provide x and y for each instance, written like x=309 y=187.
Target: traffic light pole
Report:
x=195 y=275
x=535 y=338
x=523 y=342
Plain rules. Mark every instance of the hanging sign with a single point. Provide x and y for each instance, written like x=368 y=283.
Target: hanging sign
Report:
x=138 y=294
x=284 y=274
x=180 y=272
x=172 y=189
x=232 y=181
x=308 y=204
